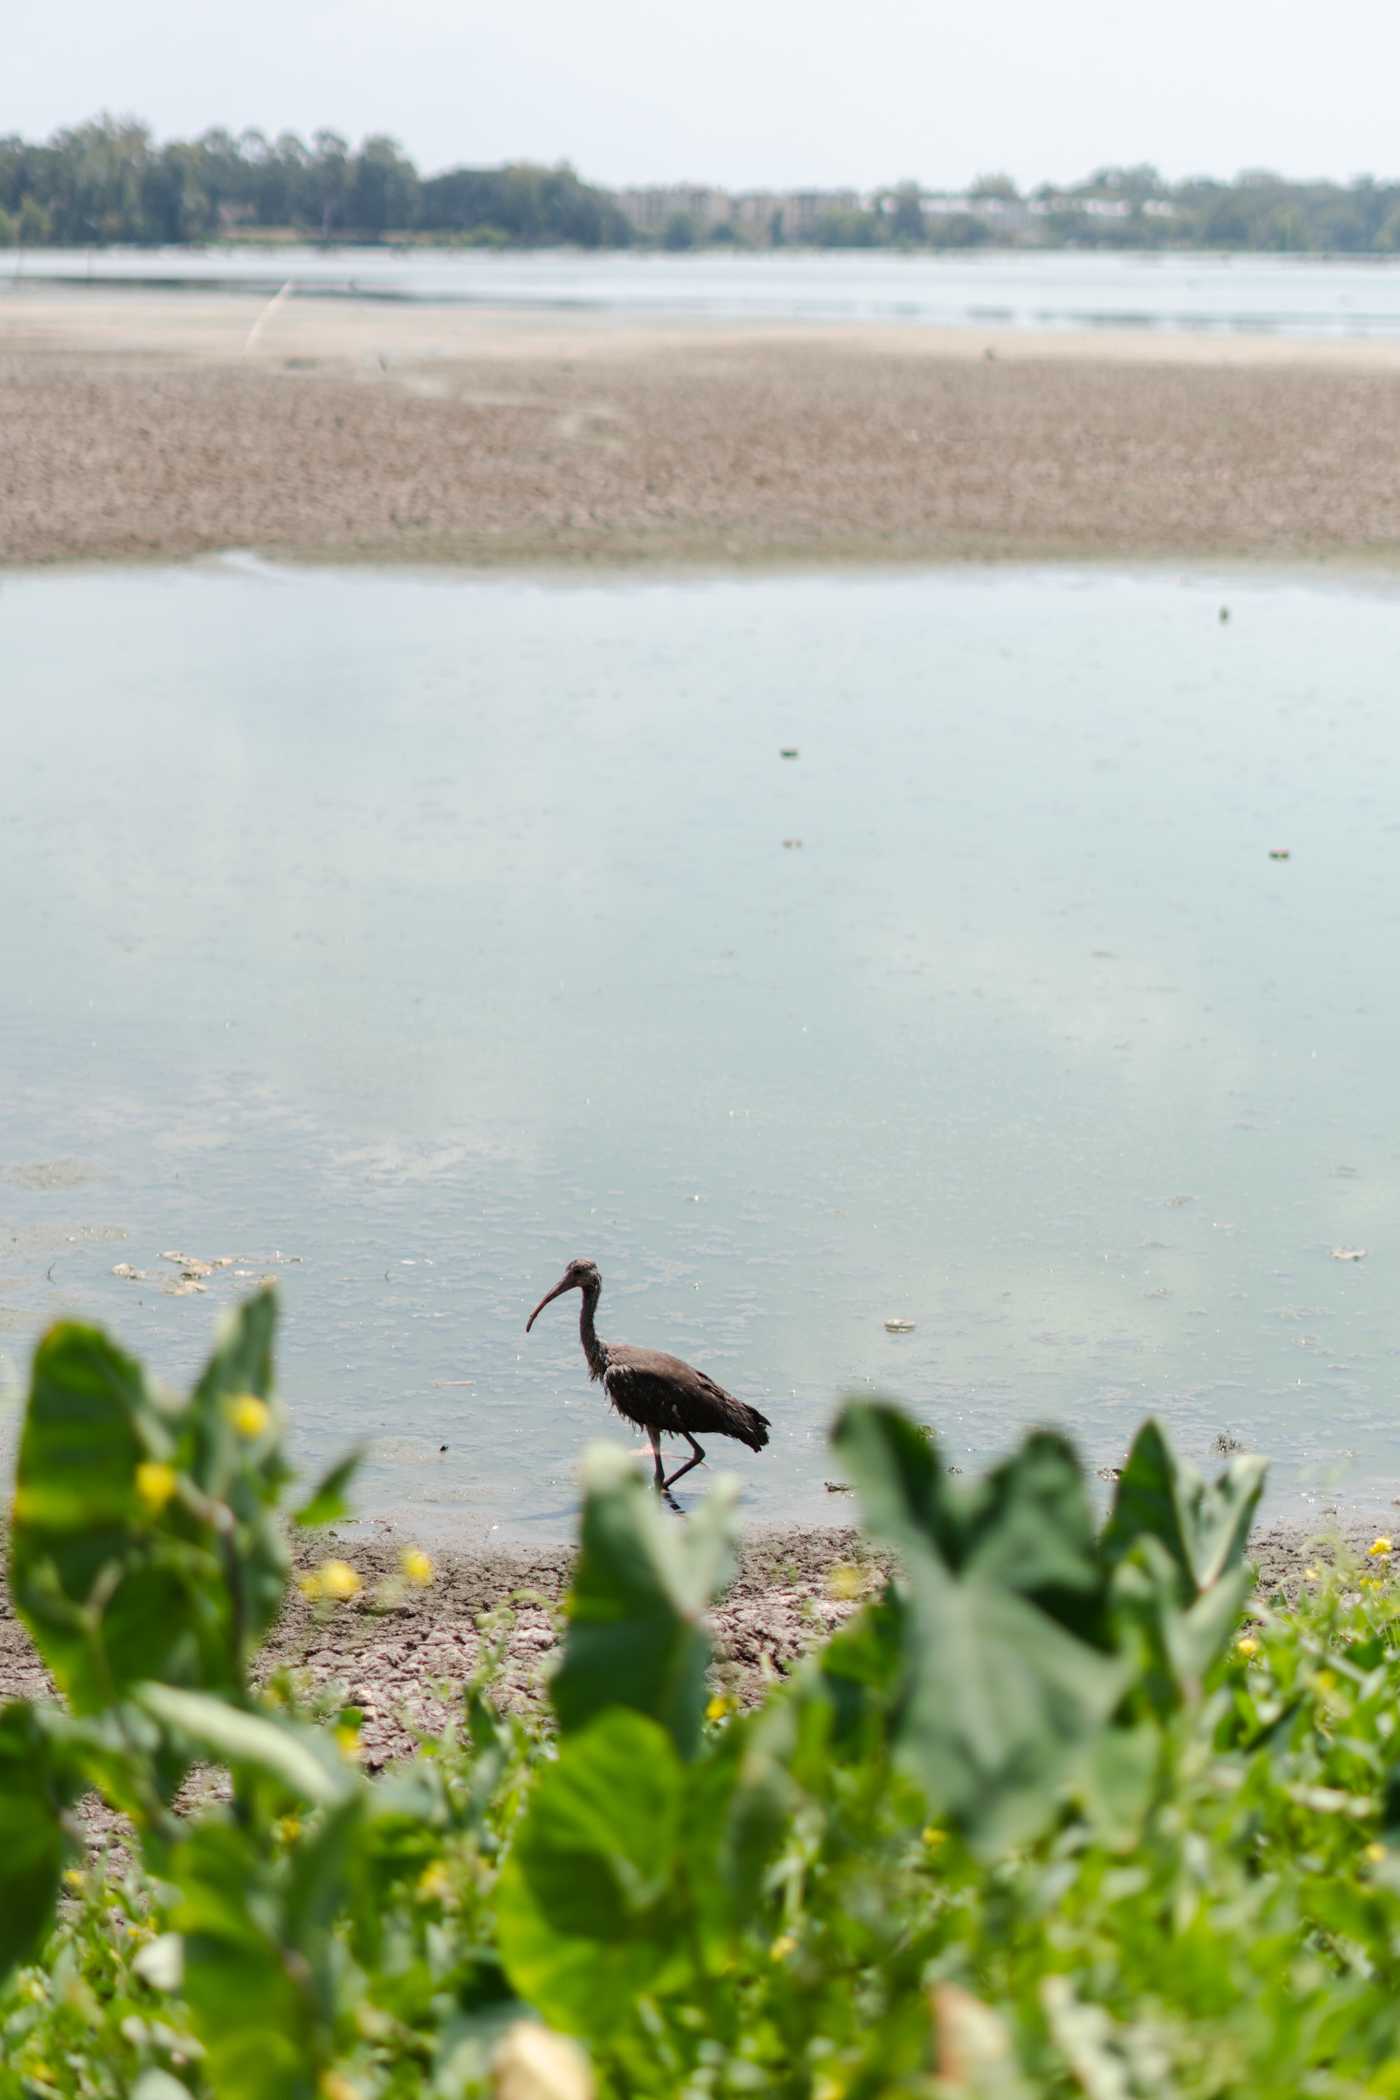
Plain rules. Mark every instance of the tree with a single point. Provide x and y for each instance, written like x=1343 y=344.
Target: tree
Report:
x=679 y=231
x=34 y=227
x=907 y=212
x=328 y=179
x=383 y=188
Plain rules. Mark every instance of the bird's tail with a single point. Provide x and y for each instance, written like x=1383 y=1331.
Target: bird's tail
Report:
x=754 y=1431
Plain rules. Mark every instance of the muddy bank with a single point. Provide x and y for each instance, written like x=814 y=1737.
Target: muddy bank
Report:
x=146 y=427
x=401 y=1653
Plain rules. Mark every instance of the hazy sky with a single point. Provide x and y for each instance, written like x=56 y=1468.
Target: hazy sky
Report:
x=742 y=91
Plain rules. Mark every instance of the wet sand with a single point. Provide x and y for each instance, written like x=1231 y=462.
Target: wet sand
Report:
x=149 y=424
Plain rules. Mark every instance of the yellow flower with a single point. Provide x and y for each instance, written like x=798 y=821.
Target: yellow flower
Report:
x=1369 y=1582
x=1247 y=1646
x=1311 y=1575
x=348 y=1739
x=249 y=1415
x=1375 y=1854
x=845 y=1583
x=310 y=1585
x=782 y=1947
x=338 y=1579
x=32 y=1987
x=155 y=1484
x=416 y=1566
x=434 y=1883
x=288 y=1829
x=718 y=1707
x=932 y=1838
x=74 y=1879
x=1378 y=1548
x=1325 y=1681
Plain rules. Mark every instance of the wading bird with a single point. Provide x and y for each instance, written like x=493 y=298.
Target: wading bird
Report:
x=657 y=1392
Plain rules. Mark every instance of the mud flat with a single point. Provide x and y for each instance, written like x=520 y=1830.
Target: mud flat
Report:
x=402 y=1655
x=154 y=424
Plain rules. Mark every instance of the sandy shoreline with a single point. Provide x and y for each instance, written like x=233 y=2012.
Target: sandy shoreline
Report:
x=148 y=425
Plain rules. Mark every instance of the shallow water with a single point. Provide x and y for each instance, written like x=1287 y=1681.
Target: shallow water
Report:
x=1305 y=296
x=432 y=931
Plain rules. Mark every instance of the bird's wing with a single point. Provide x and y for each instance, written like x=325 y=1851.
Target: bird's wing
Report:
x=668 y=1394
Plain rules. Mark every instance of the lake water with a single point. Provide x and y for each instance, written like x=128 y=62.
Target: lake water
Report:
x=1308 y=296
x=433 y=930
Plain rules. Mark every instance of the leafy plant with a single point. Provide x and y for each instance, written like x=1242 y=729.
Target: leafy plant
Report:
x=1038 y=1818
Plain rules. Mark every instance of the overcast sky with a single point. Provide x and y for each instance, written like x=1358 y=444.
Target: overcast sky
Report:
x=742 y=92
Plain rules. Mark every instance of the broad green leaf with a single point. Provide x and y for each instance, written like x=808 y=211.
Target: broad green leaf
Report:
x=124 y=1564
x=257 y=2000
x=303 y=1760
x=327 y=1502
x=1027 y=1524
x=636 y=1634
x=1000 y=1695
x=586 y=1910
x=1204 y=1526
x=1177 y=1633
x=1000 y=1705
x=241 y=1363
x=1120 y=1780
x=34 y=1790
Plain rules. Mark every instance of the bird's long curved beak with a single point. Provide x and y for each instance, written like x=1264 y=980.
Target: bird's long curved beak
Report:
x=565 y=1283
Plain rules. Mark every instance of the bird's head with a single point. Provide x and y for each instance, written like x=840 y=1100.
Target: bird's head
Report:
x=579 y=1276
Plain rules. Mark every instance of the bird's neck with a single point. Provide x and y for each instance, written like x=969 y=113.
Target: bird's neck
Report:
x=593 y=1349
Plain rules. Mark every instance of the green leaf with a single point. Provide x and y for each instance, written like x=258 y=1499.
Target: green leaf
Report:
x=34 y=1790
x=1000 y=1697
x=636 y=1635
x=241 y=1363
x=1203 y=1526
x=258 y=2001
x=1000 y=1704
x=125 y=1564
x=327 y=1502
x=587 y=1917
x=302 y=1760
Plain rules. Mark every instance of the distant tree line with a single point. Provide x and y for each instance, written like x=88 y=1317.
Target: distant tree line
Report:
x=1132 y=207
x=109 y=181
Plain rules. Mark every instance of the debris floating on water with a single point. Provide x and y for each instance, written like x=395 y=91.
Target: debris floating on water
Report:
x=837 y=1487
x=125 y=1269
x=1348 y=1254
x=899 y=1326
x=792 y=842
x=1280 y=853
x=788 y=751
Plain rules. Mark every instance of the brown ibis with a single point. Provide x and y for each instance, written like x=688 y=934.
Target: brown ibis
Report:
x=657 y=1392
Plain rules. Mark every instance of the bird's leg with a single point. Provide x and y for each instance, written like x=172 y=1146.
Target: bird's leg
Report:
x=698 y=1460
x=656 y=1456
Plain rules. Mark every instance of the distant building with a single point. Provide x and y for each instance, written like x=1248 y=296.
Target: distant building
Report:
x=652 y=210
x=755 y=215
x=802 y=211
x=1001 y=215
